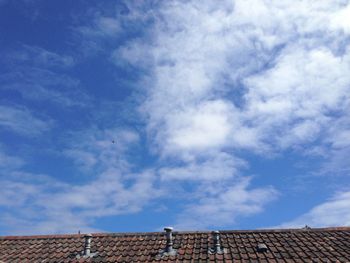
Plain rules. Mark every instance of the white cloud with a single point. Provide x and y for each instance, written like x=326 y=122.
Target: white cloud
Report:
x=314 y=80
x=203 y=52
x=36 y=203
x=101 y=148
x=109 y=25
x=22 y=121
x=83 y=159
x=135 y=53
x=217 y=167
x=204 y=127
x=69 y=223
x=341 y=19
x=49 y=206
x=224 y=205
x=103 y=26
x=298 y=95
x=111 y=194
x=259 y=76
x=8 y=162
x=334 y=212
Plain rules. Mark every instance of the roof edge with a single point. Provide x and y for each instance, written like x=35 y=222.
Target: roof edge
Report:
x=101 y=234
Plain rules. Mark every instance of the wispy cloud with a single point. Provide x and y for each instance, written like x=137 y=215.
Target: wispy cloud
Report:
x=35 y=203
x=102 y=149
x=8 y=162
x=215 y=167
x=334 y=212
x=103 y=26
x=39 y=75
x=45 y=205
x=41 y=57
x=221 y=204
x=22 y=121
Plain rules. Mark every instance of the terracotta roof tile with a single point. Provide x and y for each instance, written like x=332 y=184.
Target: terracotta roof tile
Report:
x=291 y=245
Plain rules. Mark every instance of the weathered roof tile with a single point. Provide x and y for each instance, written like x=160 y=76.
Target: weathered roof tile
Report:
x=293 y=245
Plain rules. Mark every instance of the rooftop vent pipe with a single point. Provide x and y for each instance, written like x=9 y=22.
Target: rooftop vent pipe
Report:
x=217 y=249
x=168 y=250
x=169 y=240
x=87 y=245
x=87 y=248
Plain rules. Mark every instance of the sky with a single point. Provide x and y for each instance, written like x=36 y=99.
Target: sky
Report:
x=128 y=116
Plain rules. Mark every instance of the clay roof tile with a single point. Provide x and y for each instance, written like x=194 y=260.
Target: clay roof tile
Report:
x=288 y=245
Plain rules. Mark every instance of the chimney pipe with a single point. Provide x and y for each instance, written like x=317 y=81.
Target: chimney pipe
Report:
x=217 y=245
x=168 y=250
x=87 y=245
x=169 y=239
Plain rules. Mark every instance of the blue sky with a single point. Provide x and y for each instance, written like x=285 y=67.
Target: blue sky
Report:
x=130 y=116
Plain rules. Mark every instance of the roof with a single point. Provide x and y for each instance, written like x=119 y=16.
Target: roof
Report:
x=283 y=245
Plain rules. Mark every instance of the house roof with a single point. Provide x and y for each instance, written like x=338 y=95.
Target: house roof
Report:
x=283 y=245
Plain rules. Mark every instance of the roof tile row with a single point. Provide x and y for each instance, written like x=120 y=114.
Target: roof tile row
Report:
x=293 y=245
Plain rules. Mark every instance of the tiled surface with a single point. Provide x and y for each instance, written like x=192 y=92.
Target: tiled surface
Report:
x=315 y=245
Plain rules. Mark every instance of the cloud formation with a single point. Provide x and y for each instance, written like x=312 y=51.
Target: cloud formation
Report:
x=219 y=205
x=257 y=76
x=37 y=74
x=219 y=83
x=37 y=203
x=22 y=121
x=203 y=53
x=333 y=212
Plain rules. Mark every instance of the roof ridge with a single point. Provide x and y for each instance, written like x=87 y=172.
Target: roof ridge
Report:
x=341 y=228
